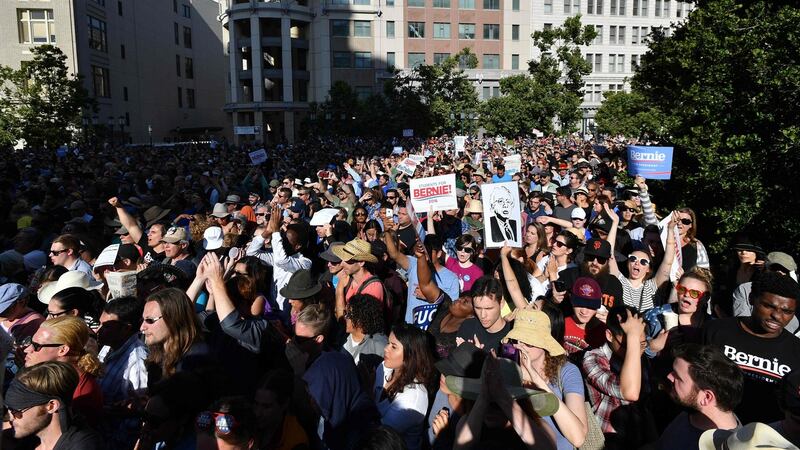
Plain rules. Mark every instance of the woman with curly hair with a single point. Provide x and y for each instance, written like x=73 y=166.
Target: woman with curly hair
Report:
x=401 y=383
x=545 y=367
x=364 y=325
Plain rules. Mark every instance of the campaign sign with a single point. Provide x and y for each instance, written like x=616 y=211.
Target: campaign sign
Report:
x=408 y=132
x=512 y=164
x=653 y=163
x=258 y=157
x=501 y=214
x=459 y=142
x=408 y=167
x=434 y=193
x=397 y=150
x=419 y=159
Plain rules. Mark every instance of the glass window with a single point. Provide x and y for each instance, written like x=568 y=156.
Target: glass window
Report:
x=487 y=92
x=491 y=31
x=491 y=4
x=514 y=62
x=635 y=62
x=621 y=36
x=514 y=32
x=441 y=3
x=416 y=59
x=612 y=34
x=466 y=31
x=363 y=60
x=363 y=92
x=36 y=26
x=189 y=68
x=122 y=51
x=341 y=60
x=599 y=38
x=361 y=2
x=177 y=31
x=178 y=65
x=100 y=82
x=187 y=37
x=515 y=5
x=622 y=7
x=658 y=8
x=416 y=3
x=340 y=28
x=620 y=63
x=598 y=62
x=390 y=60
x=190 y=98
x=491 y=61
x=634 y=35
x=390 y=29
x=187 y=11
x=362 y=28
x=441 y=31
x=466 y=4
x=119 y=8
x=416 y=30
x=666 y=8
x=612 y=63
x=180 y=97
x=548 y=6
x=439 y=58
x=97 y=34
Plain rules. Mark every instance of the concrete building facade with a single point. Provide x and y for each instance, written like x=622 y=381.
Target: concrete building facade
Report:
x=156 y=68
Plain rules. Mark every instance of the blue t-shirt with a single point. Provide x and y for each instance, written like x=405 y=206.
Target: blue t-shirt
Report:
x=418 y=311
x=572 y=383
x=504 y=179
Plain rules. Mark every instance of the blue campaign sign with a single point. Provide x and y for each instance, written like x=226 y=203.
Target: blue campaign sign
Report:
x=654 y=163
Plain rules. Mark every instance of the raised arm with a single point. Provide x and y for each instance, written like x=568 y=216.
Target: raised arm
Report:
x=511 y=279
x=544 y=220
x=631 y=373
x=669 y=251
x=647 y=206
x=127 y=220
x=613 y=269
x=427 y=286
x=391 y=248
x=213 y=270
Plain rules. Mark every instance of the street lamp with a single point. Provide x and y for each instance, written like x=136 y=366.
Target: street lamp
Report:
x=121 y=122
x=150 y=133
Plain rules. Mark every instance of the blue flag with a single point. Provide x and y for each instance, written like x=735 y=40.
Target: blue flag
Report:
x=654 y=163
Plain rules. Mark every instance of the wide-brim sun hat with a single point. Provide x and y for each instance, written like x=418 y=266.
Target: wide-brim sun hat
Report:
x=533 y=328
x=357 y=249
x=73 y=278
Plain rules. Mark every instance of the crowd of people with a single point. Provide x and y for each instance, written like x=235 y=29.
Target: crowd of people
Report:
x=180 y=298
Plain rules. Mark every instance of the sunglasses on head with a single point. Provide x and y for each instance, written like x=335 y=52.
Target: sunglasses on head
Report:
x=693 y=293
x=222 y=423
x=465 y=249
x=642 y=261
x=686 y=221
x=599 y=259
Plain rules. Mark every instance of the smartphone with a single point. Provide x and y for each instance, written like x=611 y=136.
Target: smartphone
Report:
x=323 y=174
x=559 y=285
x=389 y=212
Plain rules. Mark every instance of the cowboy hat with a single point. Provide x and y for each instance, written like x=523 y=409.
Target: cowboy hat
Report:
x=357 y=249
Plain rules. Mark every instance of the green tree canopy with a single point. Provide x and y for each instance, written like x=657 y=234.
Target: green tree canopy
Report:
x=629 y=114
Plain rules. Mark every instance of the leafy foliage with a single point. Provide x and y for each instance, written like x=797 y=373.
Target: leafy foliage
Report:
x=629 y=114
x=40 y=102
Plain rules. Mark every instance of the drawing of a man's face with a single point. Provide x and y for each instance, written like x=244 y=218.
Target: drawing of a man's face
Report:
x=502 y=203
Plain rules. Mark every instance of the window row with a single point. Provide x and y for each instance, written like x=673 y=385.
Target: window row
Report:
x=462 y=4
x=348 y=60
x=593 y=92
x=616 y=62
x=441 y=30
x=488 y=60
x=639 y=8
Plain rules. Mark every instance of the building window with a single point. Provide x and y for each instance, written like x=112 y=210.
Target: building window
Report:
x=416 y=59
x=466 y=31
x=190 y=98
x=97 y=34
x=514 y=32
x=100 y=82
x=363 y=92
x=487 y=92
x=36 y=26
x=666 y=8
x=548 y=6
x=119 y=8
x=361 y=2
x=439 y=58
x=187 y=37
x=679 y=9
x=389 y=2
x=463 y=62
x=620 y=63
x=189 y=68
x=340 y=28
x=635 y=60
x=658 y=8
x=363 y=60
x=547 y=27
x=177 y=31
x=595 y=60
x=634 y=35
x=416 y=30
x=621 y=36
x=341 y=60
x=572 y=6
x=515 y=5
x=390 y=60
x=593 y=93
x=616 y=63
x=594 y=7
x=180 y=97
x=466 y=4
x=640 y=8
x=614 y=10
x=441 y=3
x=599 y=38
x=390 y=29
x=514 y=62
x=416 y=3
x=125 y=93
x=174 y=6
x=491 y=61
x=178 y=65
x=491 y=31
x=441 y=30
x=122 y=51
x=491 y=4
x=362 y=28
x=187 y=11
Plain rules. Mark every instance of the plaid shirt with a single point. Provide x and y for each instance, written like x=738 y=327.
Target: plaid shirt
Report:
x=603 y=385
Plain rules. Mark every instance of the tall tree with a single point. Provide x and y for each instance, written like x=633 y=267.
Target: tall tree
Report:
x=629 y=114
x=41 y=102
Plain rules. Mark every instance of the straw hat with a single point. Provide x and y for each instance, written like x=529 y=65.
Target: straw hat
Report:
x=357 y=249
x=533 y=328
x=474 y=206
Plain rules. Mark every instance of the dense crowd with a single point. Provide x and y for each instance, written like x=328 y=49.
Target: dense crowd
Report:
x=180 y=298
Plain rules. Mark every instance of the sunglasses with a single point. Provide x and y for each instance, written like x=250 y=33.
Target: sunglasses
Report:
x=642 y=261
x=17 y=413
x=220 y=422
x=391 y=197
x=302 y=339
x=29 y=342
x=151 y=320
x=693 y=293
x=261 y=214
x=559 y=244
x=58 y=252
x=599 y=259
x=631 y=210
x=360 y=214
x=465 y=249
x=686 y=221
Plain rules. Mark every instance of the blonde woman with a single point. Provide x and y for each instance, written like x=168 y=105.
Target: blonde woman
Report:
x=64 y=339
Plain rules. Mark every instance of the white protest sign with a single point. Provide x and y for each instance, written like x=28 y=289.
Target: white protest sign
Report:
x=408 y=167
x=501 y=214
x=512 y=163
x=478 y=158
x=258 y=157
x=323 y=217
x=408 y=132
x=107 y=257
x=436 y=193
x=419 y=159
x=397 y=150
x=121 y=284
x=459 y=142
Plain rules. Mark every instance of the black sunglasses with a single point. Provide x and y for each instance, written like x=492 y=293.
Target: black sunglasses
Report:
x=599 y=259
x=559 y=244
x=302 y=339
x=29 y=342
x=686 y=221
x=465 y=249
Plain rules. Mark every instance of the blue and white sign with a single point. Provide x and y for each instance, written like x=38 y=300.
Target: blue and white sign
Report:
x=653 y=163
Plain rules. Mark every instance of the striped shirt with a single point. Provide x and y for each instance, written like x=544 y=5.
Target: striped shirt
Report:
x=633 y=296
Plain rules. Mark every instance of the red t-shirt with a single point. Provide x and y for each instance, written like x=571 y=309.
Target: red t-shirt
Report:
x=88 y=398
x=374 y=288
x=577 y=339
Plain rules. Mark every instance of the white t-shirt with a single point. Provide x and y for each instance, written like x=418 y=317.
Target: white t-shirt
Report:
x=406 y=413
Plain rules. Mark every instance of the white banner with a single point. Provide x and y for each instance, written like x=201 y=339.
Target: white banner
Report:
x=408 y=167
x=258 y=157
x=434 y=193
x=501 y=214
x=247 y=130
x=513 y=164
x=419 y=159
x=397 y=150
x=459 y=142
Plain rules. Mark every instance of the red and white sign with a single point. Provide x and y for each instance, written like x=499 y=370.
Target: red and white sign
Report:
x=434 y=193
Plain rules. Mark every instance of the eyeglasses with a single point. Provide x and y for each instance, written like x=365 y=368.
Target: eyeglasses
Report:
x=50 y=315
x=261 y=214
x=222 y=423
x=151 y=320
x=642 y=261
x=693 y=293
x=360 y=214
x=391 y=197
x=686 y=221
x=465 y=249
x=29 y=342
x=600 y=260
x=579 y=218
x=17 y=413
x=559 y=244
x=58 y=252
